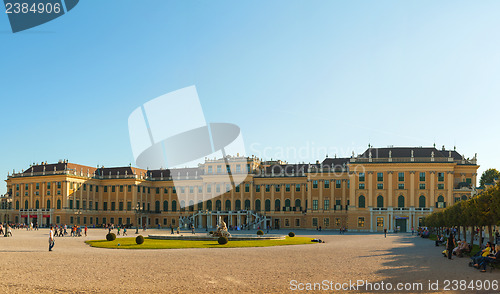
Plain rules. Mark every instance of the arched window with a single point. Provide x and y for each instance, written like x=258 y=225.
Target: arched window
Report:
x=288 y=203
x=228 y=204
x=200 y=205
x=48 y=204
x=17 y=204
x=174 y=205
x=37 y=204
x=191 y=205
x=277 y=204
x=26 y=204
x=218 y=205
x=380 y=201
x=209 y=205
x=440 y=203
x=58 y=203
x=297 y=204
x=257 y=205
x=157 y=206
x=421 y=201
x=165 y=205
x=183 y=205
x=247 y=204
x=361 y=201
x=267 y=205
x=237 y=205
x=401 y=201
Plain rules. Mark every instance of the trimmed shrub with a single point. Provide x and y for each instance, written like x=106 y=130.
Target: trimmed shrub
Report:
x=211 y=232
x=260 y=232
x=110 y=236
x=222 y=240
x=291 y=234
x=139 y=240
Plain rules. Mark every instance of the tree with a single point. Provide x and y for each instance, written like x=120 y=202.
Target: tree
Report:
x=488 y=176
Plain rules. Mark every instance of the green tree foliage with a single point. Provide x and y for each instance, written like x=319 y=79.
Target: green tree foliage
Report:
x=488 y=176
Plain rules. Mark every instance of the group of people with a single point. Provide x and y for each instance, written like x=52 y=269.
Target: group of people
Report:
x=62 y=230
x=489 y=254
x=5 y=231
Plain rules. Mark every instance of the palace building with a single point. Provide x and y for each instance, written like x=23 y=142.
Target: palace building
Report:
x=383 y=188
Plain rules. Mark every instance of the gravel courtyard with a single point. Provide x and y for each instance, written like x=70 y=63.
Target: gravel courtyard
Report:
x=26 y=265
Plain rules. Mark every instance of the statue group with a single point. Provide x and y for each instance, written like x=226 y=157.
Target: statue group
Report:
x=221 y=229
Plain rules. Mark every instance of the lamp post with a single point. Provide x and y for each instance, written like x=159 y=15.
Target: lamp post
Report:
x=137 y=207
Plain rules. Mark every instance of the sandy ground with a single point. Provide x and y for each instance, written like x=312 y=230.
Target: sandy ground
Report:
x=27 y=266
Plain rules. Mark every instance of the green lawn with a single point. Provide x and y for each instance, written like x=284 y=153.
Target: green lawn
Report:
x=129 y=243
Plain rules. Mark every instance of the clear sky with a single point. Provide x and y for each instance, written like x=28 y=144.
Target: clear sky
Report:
x=316 y=77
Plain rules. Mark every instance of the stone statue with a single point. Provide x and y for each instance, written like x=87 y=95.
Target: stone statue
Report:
x=221 y=229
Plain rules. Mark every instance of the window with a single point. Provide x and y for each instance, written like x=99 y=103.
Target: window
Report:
x=361 y=222
x=217 y=188
x=401 y=177
x=380 y=222
x=361 y=177
x=247 y=188
x=113 y=189
x=200 y=190
x=26 y=187
x=380 y=186
x=58 y=185
x=422 y=177
x=96 y=207
x=113 y=206
x=315 y=205
x=287 y=204
x=287 y=222
x=59 y=204
x=120 y=206
x=441 y=177
x=297 y=205
x=326 y=205
x=297 y=222
x=37 y=186
x=37 y=204
x=287 y=188
x=238 y=168
x=228 y=169
x=183 y=190
x=248 y=168
x=440 y=186
x=337 y=221
x=380 y=201
x=326 y=222
x=277 y=188
x=174 y=189
x=361 y=186
x=327 y=184
x=48 y=204
x=71 y=204
x=209 y=205
x=157 y=190
x=237 y=189
x=421 y=201
x=267 y=205
x=165 y=221
x=421 y=186
x=297 y=188
x=440 y=203
x=401 y=201
x=315 y=184
x=380 y=177
x=315 y=221
x=209 y=188
x=277 y=205
x=401 y=186
x=361 y=201
x=84 y=204
x=257 y=188
x=218 y=205
x=165 y=205
x=174 y=205
x=247 y=204
x=219 y=169
x=105 y=206
x=468 y=180
x=106 y=189
x=337 y=184
x=268 y=188
x=257 y=205
x=129 y=189
x=209 y=171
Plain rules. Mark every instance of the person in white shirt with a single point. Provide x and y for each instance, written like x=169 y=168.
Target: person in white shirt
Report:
x=51 y=238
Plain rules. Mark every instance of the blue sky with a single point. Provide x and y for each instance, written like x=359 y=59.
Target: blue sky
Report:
x=316 y=76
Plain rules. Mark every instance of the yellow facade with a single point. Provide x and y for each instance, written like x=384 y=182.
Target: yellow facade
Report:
x=391 y=188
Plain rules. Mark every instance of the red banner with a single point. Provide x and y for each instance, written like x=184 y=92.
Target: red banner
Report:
x=46 y=215
x=24 y=215
x=33 y=216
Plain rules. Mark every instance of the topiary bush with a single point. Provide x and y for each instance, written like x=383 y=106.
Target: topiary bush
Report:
x=139 y=240
x=260 y=232
x=291 y=234
x=211 y=232
x=222 y=240
x=110 y=236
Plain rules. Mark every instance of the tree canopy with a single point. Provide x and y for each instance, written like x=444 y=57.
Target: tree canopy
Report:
x=488 y=176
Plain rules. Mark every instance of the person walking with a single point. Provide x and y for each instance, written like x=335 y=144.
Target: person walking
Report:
x=85 y=230
x=125 y=231
x=51 y=238
x=192 y=229
x=450 y=245
x=171 y=229
x=9 y=231
x=385 y=233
